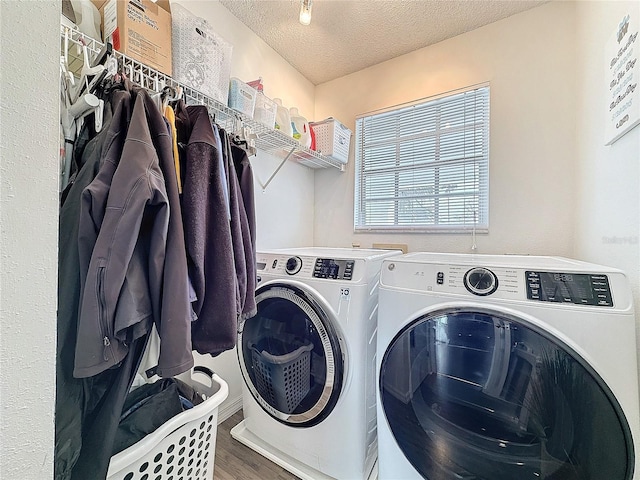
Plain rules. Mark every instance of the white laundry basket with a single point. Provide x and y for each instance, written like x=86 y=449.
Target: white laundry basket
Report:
x=183 y=448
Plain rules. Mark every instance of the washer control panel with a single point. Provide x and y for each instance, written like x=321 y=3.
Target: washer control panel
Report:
x=304 y=266
x=578 y=288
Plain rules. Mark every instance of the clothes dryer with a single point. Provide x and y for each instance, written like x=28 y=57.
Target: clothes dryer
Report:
x=308 y=362
x=505 y=367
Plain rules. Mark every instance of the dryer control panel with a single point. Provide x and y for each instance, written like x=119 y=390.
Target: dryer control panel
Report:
x=492 y=282
x=578 y=288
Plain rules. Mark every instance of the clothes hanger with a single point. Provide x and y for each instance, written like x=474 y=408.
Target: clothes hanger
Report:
x=96 y=73
x=77 y=105
x=246 y=138
x=105 y=53
x=71 y=117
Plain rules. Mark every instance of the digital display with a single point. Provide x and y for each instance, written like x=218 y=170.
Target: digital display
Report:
x=565 y=286
x=563 y=277
x=261 y=265
x=331 y=268
x=577 y=288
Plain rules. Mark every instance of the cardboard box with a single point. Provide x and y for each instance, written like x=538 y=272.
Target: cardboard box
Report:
x=141 y=29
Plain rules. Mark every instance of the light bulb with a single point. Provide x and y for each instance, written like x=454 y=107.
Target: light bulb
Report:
x=305 y=12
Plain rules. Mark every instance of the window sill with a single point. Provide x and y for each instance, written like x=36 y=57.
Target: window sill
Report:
x=421 y=231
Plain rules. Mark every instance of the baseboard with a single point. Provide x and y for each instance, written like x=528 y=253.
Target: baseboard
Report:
x=229 y=409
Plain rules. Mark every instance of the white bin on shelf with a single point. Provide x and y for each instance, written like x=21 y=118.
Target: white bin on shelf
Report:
x=242 y=97
x=332 y=139
x=265 y=111
x=201 y=57
x=183 y=447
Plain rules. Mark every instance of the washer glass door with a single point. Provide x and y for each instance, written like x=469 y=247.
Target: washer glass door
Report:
x=290 y=356
x=484 y=396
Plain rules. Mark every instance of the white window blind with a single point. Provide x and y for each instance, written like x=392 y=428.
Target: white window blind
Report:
x=425 y=166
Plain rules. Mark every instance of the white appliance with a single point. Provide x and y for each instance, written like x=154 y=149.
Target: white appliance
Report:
x=308 y=361
x=505 y=367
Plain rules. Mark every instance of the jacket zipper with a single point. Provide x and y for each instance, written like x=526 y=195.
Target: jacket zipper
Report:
x=102 y=313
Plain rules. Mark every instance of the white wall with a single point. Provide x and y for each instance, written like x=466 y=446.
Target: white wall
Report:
x=29 y=224
x=607 y=213
x=529 y=60
x=284 y=211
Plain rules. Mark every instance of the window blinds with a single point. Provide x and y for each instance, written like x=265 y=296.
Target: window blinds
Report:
x=424 y=167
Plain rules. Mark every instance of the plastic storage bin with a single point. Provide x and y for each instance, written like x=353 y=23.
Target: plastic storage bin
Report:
x=181 y=448
x=282 y=380
x=332 y=139
x=201 y=58
x=242 y=97
x=265 y=111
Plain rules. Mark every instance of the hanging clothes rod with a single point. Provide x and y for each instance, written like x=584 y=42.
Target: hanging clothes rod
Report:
x=268 y=139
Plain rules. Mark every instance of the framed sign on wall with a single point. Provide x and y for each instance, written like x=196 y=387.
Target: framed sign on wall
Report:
x=622 y=71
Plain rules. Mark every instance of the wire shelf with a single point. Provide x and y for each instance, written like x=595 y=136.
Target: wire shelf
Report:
x=268 y=140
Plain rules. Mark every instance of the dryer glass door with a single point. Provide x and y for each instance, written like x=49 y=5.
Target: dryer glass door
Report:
x=484 y=396
x=290 y=356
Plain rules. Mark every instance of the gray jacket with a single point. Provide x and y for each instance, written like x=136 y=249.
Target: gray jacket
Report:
x=128 y=233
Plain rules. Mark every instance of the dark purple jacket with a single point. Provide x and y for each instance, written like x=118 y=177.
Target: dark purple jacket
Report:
x=207 y=233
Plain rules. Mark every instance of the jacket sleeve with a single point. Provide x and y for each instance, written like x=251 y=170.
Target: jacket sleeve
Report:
x=174 y=322
x=134 y=226
x=248 y=223
x=236 y=227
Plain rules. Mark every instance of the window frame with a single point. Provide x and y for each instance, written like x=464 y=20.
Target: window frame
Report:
x=480 y=164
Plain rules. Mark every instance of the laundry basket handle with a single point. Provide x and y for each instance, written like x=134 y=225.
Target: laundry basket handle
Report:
x=212 y=387
x=202 y=369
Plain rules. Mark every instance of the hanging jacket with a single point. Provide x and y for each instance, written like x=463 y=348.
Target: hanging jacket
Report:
x=123 y=287
x=241 y=236
x=207 y=233
x=245 y=182
x=174 y=322
x=82 y=406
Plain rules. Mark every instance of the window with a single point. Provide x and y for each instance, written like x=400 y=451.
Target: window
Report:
x=425 y=166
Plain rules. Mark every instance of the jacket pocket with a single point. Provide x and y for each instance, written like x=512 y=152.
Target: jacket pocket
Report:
x=102 y=313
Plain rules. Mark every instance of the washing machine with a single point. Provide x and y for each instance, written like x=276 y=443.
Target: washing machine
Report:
x=308 y=362
x=505 y=367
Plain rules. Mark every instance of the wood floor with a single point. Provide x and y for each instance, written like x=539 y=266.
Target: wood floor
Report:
x=234 y=461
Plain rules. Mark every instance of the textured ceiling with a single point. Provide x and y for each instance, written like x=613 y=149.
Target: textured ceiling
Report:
x=348 y=35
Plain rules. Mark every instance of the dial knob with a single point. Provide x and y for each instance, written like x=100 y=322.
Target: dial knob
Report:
x=294 y=264
x=481 y=281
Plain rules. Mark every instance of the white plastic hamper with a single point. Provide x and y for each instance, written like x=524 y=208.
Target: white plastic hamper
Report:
x=182 y=448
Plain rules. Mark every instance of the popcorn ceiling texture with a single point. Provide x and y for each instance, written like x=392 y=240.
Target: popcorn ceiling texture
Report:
x=348 y=35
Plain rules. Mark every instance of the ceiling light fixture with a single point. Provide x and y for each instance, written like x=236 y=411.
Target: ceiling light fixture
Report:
x=305 y=12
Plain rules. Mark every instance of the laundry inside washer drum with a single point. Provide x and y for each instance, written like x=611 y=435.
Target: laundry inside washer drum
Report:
x=494 y=399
